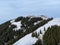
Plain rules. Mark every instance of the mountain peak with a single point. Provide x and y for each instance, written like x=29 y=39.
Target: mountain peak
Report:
x=42 y=16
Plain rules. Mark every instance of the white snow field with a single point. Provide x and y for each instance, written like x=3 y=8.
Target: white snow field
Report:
x=26 y=40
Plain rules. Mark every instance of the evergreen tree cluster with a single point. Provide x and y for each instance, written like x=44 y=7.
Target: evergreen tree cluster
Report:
x=52 y=36
x=35 y=34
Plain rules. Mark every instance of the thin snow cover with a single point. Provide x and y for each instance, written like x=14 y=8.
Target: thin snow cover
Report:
x=55 y=21
x=12 y=21
x=18 y=24
x=37 y=22
x=43 y=17
x=27 y=40
x=30 y=17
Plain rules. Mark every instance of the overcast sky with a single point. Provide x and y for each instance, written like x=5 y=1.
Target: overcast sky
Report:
x=10 y=9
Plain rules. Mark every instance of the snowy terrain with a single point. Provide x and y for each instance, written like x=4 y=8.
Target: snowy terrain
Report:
x=18 y=24
x=29 y=40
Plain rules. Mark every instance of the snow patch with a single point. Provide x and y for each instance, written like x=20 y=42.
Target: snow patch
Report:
x=37 y=22
x=27 y=40
x=43 y=17
x=12 y=21
x=18 y=24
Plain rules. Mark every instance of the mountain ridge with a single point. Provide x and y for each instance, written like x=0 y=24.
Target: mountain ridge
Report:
x=29 y=28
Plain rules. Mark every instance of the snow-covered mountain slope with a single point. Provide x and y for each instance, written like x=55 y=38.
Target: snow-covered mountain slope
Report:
x=17 y=28
x=26 y=40
x=29 y=40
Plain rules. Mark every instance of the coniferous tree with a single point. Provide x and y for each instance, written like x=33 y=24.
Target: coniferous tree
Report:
x=52 y=35
x=40 y=32
x=44 y=29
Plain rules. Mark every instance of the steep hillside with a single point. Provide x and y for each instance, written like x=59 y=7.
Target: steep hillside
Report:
x=13 y=30
x=31 y=38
